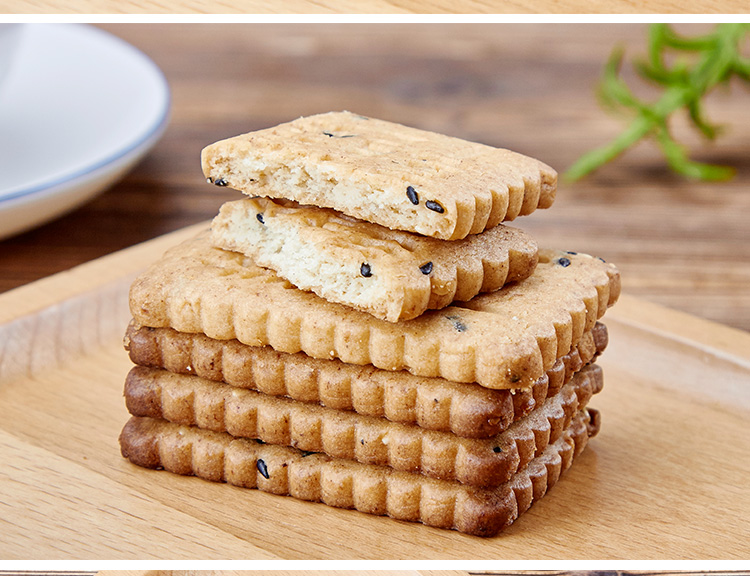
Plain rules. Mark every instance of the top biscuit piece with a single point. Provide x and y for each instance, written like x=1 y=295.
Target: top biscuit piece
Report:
x=400 y=177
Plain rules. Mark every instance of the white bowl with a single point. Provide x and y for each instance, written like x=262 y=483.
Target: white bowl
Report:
x=10 y=36
x=79 y=109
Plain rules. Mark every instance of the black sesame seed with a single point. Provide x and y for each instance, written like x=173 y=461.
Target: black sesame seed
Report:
x=262 y=468
x=458 y=323
x=331 y=135
x=259 y=217
x=434 y=206
x=571 y=253
x=305 y=453
x=564 y=262
x=220 y=182
x=365 y=270
x=426 y=268
x=497 y=449
x=259 y=441
x=412 y=195
x=603 y=260
x=362 y=441
x=210 y=180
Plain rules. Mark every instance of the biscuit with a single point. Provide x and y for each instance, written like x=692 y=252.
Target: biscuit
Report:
x=400 y=177
x=465 y=409
x=390 y=274
x=281 y=470
x=503 y=339
x=191 y=400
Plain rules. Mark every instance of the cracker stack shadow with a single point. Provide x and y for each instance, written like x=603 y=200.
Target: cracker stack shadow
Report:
x=365 y=332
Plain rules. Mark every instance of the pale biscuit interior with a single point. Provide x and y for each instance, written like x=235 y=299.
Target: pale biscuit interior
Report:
x=390 y=274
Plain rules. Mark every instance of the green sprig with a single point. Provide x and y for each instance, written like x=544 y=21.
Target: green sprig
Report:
x=717 y=58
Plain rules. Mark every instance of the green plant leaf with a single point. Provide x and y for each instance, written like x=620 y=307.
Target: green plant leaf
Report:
x=713 y=59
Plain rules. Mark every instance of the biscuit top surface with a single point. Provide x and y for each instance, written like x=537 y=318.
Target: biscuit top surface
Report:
x=505 y=339
x=400 y=177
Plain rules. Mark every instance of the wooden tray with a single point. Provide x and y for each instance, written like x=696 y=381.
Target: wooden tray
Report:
x=666 y=478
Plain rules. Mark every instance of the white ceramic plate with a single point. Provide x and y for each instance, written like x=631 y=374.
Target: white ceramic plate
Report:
x=78 y=109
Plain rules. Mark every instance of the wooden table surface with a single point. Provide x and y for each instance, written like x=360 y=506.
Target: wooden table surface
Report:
x=374 y=6
x=527 y=87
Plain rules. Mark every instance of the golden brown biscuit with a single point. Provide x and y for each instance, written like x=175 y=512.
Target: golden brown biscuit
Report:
x=390 y=274
x=400 y=177
x=194 y=401
x=219 y=457
x=466 y=409
x=504 y=339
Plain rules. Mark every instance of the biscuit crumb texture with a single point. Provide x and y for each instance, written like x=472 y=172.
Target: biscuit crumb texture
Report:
x=400 y=177
x=390 y=274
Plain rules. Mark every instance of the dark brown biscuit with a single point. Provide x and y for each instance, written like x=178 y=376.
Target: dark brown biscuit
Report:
x=377 y=490
x=194 y=401
x=467 y=410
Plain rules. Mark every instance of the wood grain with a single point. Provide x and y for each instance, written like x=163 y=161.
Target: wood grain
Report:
x=664 y=479
x=59 y=503
x=373 y=7
x=527 y=87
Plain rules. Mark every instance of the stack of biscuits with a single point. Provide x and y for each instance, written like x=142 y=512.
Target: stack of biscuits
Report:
x=363 y=330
